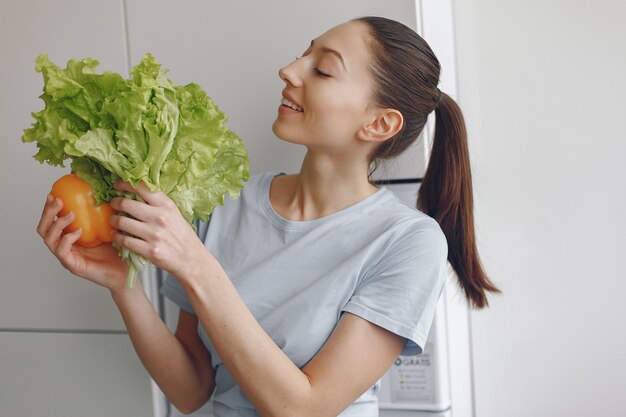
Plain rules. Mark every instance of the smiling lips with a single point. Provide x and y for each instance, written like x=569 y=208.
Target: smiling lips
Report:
x=289 y=104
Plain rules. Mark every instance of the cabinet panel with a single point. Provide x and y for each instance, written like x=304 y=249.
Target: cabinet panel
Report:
x=71 y=375
x=36 y=291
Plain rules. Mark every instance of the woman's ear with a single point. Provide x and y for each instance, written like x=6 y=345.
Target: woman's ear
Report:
x=385 y=125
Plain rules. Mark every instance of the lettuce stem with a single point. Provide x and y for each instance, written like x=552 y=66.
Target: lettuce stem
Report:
x=131 y=276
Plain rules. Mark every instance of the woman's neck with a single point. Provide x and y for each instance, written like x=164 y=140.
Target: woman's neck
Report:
x=322 y=187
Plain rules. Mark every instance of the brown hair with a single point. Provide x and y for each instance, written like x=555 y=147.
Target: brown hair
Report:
x=406 y=73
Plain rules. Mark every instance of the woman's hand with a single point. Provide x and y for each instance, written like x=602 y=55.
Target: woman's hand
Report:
x=156 y=230
x=101 y=264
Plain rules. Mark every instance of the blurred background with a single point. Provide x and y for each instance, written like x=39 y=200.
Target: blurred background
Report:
x=543 y=88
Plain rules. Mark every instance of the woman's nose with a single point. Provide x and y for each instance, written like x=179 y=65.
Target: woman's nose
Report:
x=289 y=74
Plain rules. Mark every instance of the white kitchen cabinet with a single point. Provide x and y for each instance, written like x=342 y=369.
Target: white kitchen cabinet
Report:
x=71 y=375
x=36 y=291
x=63 y=350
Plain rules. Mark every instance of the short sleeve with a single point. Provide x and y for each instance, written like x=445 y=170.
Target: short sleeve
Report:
x=171 y=288
x=400 y=292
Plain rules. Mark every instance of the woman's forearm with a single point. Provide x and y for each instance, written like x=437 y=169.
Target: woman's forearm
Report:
x=270 y=379
x=165 y=358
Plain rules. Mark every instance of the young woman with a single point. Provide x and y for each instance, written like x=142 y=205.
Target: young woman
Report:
x=298 y=296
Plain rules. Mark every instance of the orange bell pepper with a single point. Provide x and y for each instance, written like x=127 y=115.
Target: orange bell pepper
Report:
x=93 y=220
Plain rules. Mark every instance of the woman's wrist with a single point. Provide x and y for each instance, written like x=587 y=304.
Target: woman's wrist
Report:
x=200 y=262
x=121 y=294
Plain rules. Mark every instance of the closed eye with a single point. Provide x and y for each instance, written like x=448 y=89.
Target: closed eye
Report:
x=320 y=73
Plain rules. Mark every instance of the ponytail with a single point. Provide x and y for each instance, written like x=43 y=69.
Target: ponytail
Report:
x=446 y=195
x=406 y=73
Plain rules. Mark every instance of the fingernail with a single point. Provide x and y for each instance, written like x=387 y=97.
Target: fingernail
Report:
x=78 y=231
x=70 y=215
x=49 y=198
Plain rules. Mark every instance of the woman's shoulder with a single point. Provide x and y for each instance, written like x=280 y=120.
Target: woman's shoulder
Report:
x=260 y=179
x=252 y=193
x=397 y=209
x=255 y=183
x=233 y=207
x=406 y=220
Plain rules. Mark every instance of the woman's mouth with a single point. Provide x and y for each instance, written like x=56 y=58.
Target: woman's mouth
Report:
x=291 y=105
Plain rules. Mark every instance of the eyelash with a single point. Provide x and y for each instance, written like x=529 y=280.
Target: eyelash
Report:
x=317 y=71
x=320 y=73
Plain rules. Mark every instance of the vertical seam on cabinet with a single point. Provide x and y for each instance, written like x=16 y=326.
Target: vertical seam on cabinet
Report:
x=126 y=37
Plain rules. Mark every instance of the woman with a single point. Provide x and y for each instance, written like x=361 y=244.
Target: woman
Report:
x=300 y=295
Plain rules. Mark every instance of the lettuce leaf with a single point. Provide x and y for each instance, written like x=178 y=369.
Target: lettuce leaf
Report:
x=146 y=128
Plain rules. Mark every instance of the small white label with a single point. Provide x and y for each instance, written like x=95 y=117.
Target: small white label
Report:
x=412 y=379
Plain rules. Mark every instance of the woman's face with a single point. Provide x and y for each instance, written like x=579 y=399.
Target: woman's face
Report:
x=331 y=87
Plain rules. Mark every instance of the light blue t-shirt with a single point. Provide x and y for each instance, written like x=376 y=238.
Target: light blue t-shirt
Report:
x=379 y=259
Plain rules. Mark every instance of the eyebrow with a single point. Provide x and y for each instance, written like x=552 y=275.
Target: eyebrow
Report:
x=332 y=51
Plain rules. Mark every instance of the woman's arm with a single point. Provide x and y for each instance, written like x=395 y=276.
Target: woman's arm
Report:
x=180 y=364
x=356 y=355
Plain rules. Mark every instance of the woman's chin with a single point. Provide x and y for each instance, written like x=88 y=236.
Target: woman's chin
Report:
x=288 y=139
x=281 y=134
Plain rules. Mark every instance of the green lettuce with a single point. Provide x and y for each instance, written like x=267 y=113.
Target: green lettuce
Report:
x=146 y=128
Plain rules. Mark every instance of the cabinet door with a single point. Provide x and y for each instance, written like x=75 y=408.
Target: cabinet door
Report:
x=71 y=375
x=36 y=291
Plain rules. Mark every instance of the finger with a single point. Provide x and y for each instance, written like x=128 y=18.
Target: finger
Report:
x=140 y=247
x=51 y=239
x=154 y=198
x=50 y=210
x=131 y=226
x=64 y=248
x=137 y=209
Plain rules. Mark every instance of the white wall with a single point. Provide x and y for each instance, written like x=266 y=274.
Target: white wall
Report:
x=543 y=87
